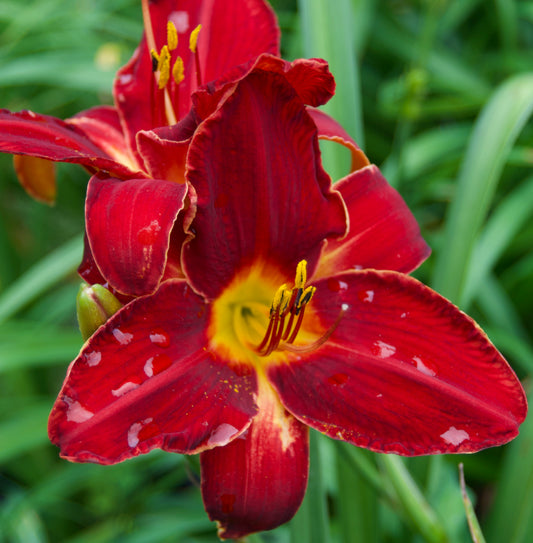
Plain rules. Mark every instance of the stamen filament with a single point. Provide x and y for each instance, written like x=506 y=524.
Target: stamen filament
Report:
x=316 y=344
x=294 y=333
x=149 y=32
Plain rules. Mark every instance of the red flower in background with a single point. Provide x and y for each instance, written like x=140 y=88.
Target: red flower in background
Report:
x=104 y=138
x=291 y=309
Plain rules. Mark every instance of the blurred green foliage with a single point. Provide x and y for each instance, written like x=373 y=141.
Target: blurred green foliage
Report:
x=440 y=92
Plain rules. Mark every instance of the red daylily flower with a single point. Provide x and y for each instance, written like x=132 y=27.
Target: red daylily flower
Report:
x=294 y=312
x=104 y=138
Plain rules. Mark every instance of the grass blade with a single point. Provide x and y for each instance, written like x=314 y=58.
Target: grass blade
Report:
x=494 y=133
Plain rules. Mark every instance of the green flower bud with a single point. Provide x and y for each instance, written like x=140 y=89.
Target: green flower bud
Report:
x=94 y=305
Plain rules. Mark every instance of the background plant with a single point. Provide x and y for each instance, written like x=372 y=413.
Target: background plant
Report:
x=439 y=94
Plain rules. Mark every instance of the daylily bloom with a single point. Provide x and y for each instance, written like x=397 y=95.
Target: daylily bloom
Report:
x=103 y=138
x=294 y=311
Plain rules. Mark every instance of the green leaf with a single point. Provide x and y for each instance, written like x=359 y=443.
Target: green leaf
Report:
x=310 y=524
x=494 y=133
x=38 y=279
x=511 y=516
x=23 y=431
x=506 y=221
x=328 y=30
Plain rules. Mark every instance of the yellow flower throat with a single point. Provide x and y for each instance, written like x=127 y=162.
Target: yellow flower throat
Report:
x=252 y=320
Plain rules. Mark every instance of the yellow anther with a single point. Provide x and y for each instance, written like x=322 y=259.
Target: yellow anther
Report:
x=193 y=39
x=163 y=58
x=278 y=297
x=163 y=66
x=155 y=59
x=178 y=71
x=306 y=296
x=172 y=36
x=301 y=274
x=285 y=299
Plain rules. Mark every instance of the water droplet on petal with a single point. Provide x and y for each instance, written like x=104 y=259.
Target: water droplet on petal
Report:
x=124 y=79
x=366 y=296
x=424 y=367
x=128 y=386
x=403 y=315
x=335 y=285
x=76 y=412
x=140 y=431
x=149 y=367
x=180 y=20
x=160 y=363
x=122 y=337
x=160 y=337
x=149 y=234
x=382 y=349
x=222 y=434
x=93 y=358
x=454 y=436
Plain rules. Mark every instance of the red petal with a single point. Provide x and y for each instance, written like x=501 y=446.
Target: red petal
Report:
x=256 y=168
x=146 y=380
x=164 y=158
x=257 y=482
x=102 y=126
x=310 y=78
x=27 y=133
x=405 y=371
x=383 y=233
x=330 y=129
x=128 y=226
x=233 y=32
x=37 y=176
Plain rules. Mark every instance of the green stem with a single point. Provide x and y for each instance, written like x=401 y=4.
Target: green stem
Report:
x=412 y=501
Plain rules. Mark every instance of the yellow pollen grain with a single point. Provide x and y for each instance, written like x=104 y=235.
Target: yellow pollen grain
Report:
x=178 y=71
x=172 y=36
x=301 y=274
x=193 y=39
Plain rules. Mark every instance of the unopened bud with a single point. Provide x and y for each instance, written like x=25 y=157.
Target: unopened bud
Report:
x=94 y=305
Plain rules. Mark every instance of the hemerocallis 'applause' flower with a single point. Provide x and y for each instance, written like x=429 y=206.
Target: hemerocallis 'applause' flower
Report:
x=153 y=89
x=295 y=312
